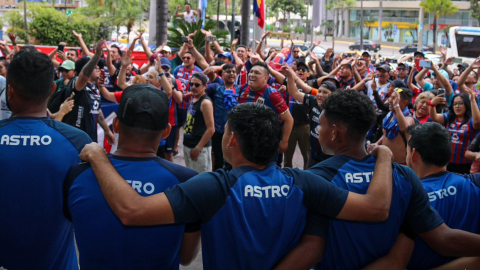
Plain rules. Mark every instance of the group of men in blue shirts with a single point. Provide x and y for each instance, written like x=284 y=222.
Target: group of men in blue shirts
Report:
x=254 y=216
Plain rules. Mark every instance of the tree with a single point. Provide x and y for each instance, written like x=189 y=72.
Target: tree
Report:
x=438 y=8
x=128 y=16
x=475 y=8
x=162 y=20
x=288 y=6
x=335 y=6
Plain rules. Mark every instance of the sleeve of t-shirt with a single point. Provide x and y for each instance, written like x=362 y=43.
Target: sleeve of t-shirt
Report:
x=248 y=66
x=118 y=96
x=199 y=198
x=313 y=83
x=450 y=98
x=309 y=101
x=314 y=91
x=420 y=217
x=474 y=178
x=175 y=72
x=319 y=195
x=445 y=118
x=475 y=144
x=218 y=80
x=278 y=102
x=317 y=225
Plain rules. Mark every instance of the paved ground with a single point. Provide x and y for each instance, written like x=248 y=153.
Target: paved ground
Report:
x=197 y=264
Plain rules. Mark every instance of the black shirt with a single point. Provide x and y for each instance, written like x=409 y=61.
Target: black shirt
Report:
x=194 y=126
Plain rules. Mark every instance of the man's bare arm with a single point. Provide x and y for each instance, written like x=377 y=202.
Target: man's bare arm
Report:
x=82 y=44
x=88 y=69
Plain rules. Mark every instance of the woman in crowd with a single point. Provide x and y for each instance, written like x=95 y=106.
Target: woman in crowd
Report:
x=462 y=121
x=421 y=110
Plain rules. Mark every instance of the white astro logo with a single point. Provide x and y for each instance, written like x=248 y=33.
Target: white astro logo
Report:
x=25 y=140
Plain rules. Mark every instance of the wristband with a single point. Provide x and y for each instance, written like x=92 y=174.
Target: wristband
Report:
x=430 y=103
x=395 y=106
x=160 y=75
x=198 y=149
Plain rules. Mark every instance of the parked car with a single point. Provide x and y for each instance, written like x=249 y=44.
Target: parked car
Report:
x=368 y=45
x=319 y=51
x=413 y=48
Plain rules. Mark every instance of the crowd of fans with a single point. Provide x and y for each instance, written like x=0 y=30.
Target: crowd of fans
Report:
x=242 y=114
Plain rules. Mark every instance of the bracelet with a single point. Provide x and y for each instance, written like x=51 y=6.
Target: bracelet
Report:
x=160 y=74
x=198 y=149
x=395 y=106
x=430 y=103
x=14 y=44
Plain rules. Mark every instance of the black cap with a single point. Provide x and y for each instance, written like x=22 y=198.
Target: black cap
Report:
x=334 y=80
x=405 y=92
x=143 y=106
x=398 y=83
x=462 y=66
x=417 y=53
x=302 y=63
x=384 y=67
x=80 y=63
x=329 y=85
x=403 y=64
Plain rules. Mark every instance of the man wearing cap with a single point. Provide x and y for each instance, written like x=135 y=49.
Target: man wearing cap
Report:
x=67 y=68
x=86 y=113
x=468 y=79
x=199 y=127
x=440 y=80
x=184 y=73
x=35 y=153
x=226 y=57
x=403 y=71
x=141 y=122
x=381 y=82
x=368 y=58
x=395 y=124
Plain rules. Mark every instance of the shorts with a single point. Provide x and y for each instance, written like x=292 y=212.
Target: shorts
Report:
x=170 y=140
x=181 y=117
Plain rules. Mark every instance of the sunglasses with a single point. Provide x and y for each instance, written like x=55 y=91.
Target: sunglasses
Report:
x=302 y=70
x=186 y=58
x=166 y=69
x=295 y=51
x=196 y=84
x=401 y=69
x=230 y=71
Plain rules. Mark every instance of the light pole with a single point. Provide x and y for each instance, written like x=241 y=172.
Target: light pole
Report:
x=25 y=20
x=361 y=25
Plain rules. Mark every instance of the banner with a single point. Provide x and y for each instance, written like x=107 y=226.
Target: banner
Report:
x=110 y=112
x=259 y=12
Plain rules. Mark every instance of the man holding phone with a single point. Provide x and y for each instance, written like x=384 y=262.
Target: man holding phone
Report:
x=440 y=81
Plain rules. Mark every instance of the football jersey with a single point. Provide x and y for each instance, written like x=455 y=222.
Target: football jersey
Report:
x=314 y=111
x=462 y=134
x=36 y=154
x=117 y=246
x=457 y=200
x=267 y=96
x=223 y=101
x=346 y=248
x=253 y=218
x=184 y=76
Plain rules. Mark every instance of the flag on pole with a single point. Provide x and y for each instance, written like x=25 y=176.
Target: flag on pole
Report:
x=203 y=5
x=259 y=11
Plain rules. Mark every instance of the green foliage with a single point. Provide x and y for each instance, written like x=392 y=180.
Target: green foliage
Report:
x=299 y=29
x=439 y=7
x=339 y=4
x=128 y=15
x=475 y=8
x=287 y=6
x=286 y=29
x=182 y=29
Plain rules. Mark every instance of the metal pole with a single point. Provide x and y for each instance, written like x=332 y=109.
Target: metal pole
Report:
x=420 y=29
x=361 y=25
x=232 y=31
x=306 y=23
x=25 y=20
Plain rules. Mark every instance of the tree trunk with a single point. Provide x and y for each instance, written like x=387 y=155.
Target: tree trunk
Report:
x=340 y=23
x=245 y=33
x=335 y=21
x=380 y=15
x=162 y=18
x=435 y=32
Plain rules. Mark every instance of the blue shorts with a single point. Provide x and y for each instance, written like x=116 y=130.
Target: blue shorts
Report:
x=170 y=140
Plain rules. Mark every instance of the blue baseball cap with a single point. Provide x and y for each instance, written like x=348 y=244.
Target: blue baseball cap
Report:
x=164 y=62
x=226 y=54
x=428 y=86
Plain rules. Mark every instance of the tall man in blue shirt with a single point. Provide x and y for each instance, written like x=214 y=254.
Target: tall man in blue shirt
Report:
x=141 y=123
x=255 y=213
x=35 y=153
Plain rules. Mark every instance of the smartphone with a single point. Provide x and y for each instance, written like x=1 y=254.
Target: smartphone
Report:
x=441 y=91
x=185 y=39
x=212 y=38
x=425 y=64
x=72 y=95
x=457 y=60
x=417 y=64
x=60 y=47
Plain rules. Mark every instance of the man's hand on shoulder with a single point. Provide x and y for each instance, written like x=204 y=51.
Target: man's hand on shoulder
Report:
x=91 y=151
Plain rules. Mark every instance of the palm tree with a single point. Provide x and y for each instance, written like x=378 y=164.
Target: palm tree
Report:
x=438 y=8
x=161 y=20
x=128 y=16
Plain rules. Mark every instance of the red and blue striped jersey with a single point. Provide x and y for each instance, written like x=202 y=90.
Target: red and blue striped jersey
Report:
x=184 y=75
x=267 y=96
x=462 y=134
x=242 y=77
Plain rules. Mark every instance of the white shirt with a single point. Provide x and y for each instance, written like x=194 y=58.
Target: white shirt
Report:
x=190 y=18
x=5 y=112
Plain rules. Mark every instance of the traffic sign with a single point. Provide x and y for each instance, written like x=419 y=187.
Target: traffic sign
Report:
x=394 y=29
x=277 y=24
x=69 y=12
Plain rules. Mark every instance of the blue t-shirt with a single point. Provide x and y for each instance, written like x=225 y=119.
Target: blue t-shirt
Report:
x=353 y=245
x=253 y=218
x=117 y=246
x=36 y=154
x=457 y=200
x=223 y=101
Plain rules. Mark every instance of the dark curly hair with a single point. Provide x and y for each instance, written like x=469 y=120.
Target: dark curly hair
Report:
x=352 y=109
x=258 y=130
x=425 y=136
x=31 y=73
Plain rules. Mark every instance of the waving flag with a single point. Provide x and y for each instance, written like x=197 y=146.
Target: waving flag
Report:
x=203 y=5
x=259 y=11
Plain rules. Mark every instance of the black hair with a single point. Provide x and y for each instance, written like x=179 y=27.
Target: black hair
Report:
x=218 y=62
x=120 y=52
x=242 y=46
x=5 y=63
x=468 y=107
x=31 y=74
x=139 y=134
x=258 y=130
x=354 y=110
x=228 y=66
x=432 y=141
x=73 y=50
x=263 y=65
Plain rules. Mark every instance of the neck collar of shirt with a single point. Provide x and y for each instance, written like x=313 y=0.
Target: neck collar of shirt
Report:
x=435 y=175
x=132 y=158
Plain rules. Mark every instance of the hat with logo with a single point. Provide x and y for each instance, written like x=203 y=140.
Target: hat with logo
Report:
x=143 y=106
x=67 y=65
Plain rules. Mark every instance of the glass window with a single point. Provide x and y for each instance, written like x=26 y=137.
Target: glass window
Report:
x=467 y=45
